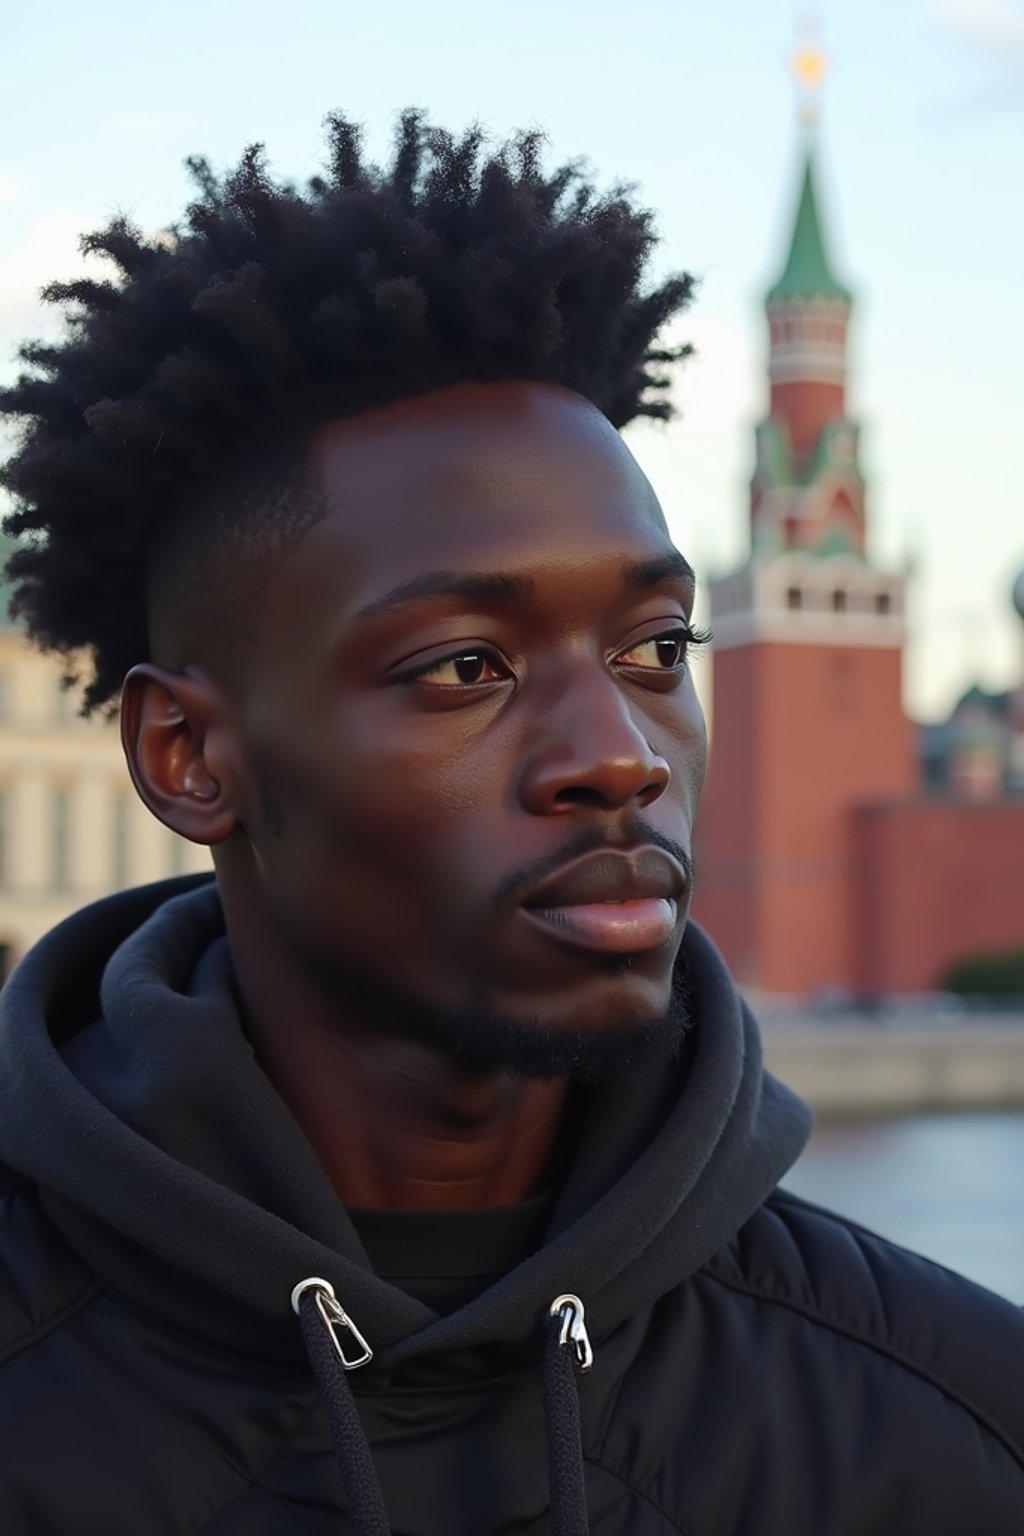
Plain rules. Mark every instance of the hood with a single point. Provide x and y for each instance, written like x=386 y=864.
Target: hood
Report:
x=130 y=1095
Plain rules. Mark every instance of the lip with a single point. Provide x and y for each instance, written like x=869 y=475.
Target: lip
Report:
x=611 y=874
x=613 y=902
x=623 y=928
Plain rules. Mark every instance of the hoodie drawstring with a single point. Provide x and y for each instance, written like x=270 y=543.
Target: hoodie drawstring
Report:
x=565 y=1327
x=321 y=1318
x=335 y=1346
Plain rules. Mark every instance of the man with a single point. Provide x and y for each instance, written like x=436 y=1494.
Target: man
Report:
x=419 y=1173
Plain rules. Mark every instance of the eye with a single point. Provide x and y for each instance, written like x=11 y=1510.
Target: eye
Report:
x=464 y=669
x=662 y=653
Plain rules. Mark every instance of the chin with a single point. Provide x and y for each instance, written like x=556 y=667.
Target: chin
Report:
x=617 y=995
x=614 y=1012
x=621 y=1026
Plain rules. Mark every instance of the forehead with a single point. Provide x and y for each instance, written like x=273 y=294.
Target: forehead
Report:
x=483 y=475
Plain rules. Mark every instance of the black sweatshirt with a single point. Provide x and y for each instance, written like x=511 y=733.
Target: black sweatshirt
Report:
x=758 y=1366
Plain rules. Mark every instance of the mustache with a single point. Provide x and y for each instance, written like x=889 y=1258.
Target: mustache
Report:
x=590 y=840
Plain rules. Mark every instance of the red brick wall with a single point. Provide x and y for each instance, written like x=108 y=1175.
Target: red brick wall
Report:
x=802 y=733
x=935 y=880
x=730 y=813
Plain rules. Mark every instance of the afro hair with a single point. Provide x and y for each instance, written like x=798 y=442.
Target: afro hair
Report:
x=267 y=312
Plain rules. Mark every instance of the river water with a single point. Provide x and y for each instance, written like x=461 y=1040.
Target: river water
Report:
x=948 y=1186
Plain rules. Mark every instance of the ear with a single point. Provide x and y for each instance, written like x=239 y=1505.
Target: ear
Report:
x=175 y=738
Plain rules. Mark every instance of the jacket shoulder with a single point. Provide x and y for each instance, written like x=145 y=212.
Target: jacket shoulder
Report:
x=42 y=1281
x=968 y=1342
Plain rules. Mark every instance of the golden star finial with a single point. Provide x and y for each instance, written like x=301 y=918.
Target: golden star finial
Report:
x=809 y=66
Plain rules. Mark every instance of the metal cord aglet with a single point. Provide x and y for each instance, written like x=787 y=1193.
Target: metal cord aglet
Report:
x=334 y=1318
x=574 y=1328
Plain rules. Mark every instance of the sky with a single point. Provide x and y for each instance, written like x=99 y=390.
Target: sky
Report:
x=921 y=150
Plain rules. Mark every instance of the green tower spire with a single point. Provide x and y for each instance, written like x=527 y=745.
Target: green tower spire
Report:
x=808 y=274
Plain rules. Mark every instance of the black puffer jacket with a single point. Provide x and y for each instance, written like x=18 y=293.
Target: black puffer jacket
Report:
x=760 y=1368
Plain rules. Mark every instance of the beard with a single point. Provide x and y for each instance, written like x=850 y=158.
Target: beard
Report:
x=485 y=1040
x=526 y=1048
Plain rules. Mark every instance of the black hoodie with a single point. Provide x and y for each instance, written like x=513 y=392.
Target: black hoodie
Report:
x=166 y=1205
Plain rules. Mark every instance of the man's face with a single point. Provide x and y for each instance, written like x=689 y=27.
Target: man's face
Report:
x=462 y=682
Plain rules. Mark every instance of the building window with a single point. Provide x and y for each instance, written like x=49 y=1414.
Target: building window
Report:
x=883 y=602
x=5 y=695
x=176 y=855
x=63 y=704
x=119 y=860
x=5 y=821
x=794 y=598
x=839 y=600
x=60 y=844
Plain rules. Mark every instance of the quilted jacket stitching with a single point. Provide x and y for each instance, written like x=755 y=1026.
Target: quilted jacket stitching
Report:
x=54 y=1321
x=268 y=1493
x=879 y=1346
x=640 y=1494
x=253 y=1480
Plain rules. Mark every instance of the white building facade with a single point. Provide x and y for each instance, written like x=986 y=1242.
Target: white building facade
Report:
x=72 y=828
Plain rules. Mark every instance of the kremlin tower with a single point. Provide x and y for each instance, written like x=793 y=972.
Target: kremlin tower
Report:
x=838 y=844
x=807 y=668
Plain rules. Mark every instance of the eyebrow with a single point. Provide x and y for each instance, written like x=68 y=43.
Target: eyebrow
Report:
x=651 y=573
x=471 y=586
x=500 y=586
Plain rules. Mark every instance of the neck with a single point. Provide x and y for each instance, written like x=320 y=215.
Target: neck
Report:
x=397 y=1124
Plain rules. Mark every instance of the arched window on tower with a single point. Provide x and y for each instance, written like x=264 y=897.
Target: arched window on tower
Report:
x=839 y=600
x=843 y=522
x=795 y=598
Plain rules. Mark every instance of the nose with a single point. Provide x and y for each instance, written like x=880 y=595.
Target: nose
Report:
x=591 y=752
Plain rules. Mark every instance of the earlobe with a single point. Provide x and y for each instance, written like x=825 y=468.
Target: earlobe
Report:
x=173 y=734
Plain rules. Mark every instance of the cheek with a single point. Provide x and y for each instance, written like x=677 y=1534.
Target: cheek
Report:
x=384 y=825
x=415 y=781
x=697 y=760
x=680 y=734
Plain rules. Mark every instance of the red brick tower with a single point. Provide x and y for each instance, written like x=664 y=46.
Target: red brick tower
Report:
x=807 y=669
